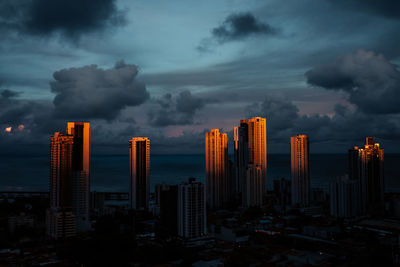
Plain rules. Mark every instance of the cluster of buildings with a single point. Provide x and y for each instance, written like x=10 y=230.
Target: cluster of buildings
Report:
x=69 y=194
x=361 y=192
x=182 y=207
x=246 y=178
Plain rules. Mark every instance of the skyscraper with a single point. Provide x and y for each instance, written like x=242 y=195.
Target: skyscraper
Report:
x=250 y=140
x=241 y=141
x=252 y=186
x=80 y=132
x=216 y=168
x=191 y=210
x=299 y=154
x=139 y=169
x=257 y=142
x=60 y=219
x=366 y=166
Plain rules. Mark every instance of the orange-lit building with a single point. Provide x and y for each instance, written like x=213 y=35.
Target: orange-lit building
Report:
x=60 y=219
x=257 y=134
x=250 y=140
x=367 y=166
x=300 y=173
x=80 y=132
x=216 y=168
x=139 y=169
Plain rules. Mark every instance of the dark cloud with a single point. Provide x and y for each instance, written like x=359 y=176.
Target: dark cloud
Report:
x=26 y=121
x=239 y=26
x=187 y=103
x=175 y=111
x=346 y=126
x=386 y=8
x=371 y=81
x=9 y=93
x=88 y=93
x=235 y=27
x=68 y=17
x=92 y=92
x=280 y=111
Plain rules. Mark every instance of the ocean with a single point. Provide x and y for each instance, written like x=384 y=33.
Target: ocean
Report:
x=111 y=172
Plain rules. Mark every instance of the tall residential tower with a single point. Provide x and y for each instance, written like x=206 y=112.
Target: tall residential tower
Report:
x=241 y=141
x=80 y=131
x=139 y=169
x=257 y=132
x=69 y=181
x=299 y=154
x=251 y=160
x=366 y=166
x=216 y=168
x=60 y=218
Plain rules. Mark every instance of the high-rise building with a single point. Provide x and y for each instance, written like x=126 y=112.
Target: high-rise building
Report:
x=299 y=154
x=252 y=194
x=216 y=168
x=191 y=210
x=366 y=166
x=60 y=219
x=241 y=141
x=257 y=134
x=139 y=169
x=344 y=197
x=80 y=132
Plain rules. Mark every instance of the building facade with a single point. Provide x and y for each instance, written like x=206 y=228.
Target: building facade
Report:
x=257 y=143
x=60 y=219
x=139 y=169
x=191 y=210
x=216 y=168
x=300 y=174
x=241 y=153
x=80 y=132
x=366 y=165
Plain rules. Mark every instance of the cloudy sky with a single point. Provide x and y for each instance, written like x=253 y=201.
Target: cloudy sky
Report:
x=171 y=70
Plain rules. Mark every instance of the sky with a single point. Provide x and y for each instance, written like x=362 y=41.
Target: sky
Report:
x=171 y=70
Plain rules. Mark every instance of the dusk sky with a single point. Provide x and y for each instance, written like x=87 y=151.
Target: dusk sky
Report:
x=170 y=70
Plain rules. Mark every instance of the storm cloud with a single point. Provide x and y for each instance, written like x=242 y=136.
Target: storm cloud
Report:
x=175 y=111
x=9 y=93
x=371 y=81
x=71 y=18
x=92 y=92
x=346 y=126
x=239 y=26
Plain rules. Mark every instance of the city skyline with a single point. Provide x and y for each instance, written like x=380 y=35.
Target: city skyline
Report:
x=200 y=133
x=205 y=75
